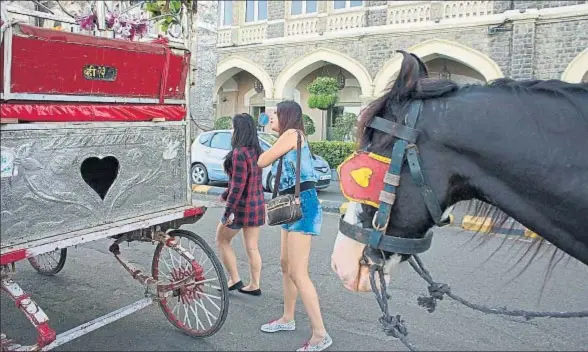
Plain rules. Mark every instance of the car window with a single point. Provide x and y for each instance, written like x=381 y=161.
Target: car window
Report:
x=205 y=138
x=221 y=141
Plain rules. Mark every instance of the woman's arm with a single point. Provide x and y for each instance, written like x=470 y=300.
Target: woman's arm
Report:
x=284 y=144
x=237 y=183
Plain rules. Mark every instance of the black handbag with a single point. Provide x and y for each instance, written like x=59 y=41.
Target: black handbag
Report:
x=286 y=208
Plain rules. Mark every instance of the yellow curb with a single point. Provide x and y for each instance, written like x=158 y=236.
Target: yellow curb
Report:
x=530 y=234
x=476 y=223
x=201 y=188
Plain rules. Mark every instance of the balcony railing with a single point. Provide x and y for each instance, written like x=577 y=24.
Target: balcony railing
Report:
x=301 y=26
x=252 y=33
x=224 y=37
x=346 y=20
x=456 y=9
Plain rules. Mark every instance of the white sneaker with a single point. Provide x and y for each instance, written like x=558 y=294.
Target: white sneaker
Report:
x=323 y=345
x=274 y=326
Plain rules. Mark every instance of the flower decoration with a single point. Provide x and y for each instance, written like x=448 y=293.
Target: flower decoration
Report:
x=87 y=22
x=126 y=26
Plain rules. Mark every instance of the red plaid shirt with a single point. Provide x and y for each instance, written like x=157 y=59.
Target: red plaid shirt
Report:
x=244 y=195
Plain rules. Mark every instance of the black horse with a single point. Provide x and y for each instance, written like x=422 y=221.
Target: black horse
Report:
x=517 y=148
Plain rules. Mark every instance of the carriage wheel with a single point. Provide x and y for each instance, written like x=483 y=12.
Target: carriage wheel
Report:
x=199 y=310
x=49 y=263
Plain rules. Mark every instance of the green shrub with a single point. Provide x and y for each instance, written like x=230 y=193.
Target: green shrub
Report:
x=226 y=123
x=308 y=125
x=223 y=123
x=334 y=152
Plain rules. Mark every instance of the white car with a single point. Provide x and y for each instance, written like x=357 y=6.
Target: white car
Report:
x=210 y=148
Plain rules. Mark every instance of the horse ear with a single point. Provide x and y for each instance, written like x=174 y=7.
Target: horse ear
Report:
x=410 y=73
x=424 y=70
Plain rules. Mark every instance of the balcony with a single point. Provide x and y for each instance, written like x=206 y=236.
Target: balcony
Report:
x=402 y=12
x=253 y=33
x=224 y=37
x=457 y=9
x=301 y=26
x=346 y=20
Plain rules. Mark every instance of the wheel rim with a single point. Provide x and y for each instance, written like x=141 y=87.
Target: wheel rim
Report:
x=46 y=262
x=198 y=175
x=272 y=183
x=196 y=308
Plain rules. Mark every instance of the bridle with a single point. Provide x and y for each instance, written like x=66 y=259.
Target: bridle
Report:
x=377 y=241
x=404 y=149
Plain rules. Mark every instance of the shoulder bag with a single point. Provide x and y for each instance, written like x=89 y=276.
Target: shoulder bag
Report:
x=286 y=208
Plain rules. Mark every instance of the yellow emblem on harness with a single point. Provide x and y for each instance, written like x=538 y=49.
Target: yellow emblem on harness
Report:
x=362 y=176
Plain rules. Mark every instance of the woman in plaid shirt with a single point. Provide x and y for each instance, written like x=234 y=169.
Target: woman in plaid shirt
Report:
x=245 y=205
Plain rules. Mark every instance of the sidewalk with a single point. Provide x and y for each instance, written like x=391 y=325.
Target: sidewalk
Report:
x=458 y=216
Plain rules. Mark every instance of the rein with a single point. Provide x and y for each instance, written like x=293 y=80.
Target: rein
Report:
x=377 y=242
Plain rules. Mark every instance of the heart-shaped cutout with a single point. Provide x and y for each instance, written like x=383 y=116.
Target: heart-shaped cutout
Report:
x=100 y=173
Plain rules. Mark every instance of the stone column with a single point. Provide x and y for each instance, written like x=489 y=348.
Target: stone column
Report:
x=523 y=49
x=376 y=13
x=203 y=65
x=276 y=11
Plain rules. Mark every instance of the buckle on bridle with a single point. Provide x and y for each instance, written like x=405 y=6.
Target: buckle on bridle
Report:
x=372 y=258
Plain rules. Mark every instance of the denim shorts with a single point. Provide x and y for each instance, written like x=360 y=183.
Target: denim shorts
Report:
x=231 y=226
x=312 y=215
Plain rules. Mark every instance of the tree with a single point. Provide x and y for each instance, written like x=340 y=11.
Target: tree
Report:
x=345 y=127
x=308 y=125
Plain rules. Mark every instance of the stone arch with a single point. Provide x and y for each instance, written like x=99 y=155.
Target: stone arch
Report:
x=577 y=68
x=232 y=65
x=452 y=50
x=295 y=72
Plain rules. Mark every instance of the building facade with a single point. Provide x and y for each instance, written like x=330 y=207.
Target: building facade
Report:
x=269 y=51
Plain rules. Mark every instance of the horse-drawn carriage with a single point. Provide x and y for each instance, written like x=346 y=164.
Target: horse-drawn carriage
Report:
x=95 y=145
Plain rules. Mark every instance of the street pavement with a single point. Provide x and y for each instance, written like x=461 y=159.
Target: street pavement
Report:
x=92 y=283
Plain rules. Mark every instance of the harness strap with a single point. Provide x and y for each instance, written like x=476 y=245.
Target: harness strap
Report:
x=388 y=243
x=395 y=129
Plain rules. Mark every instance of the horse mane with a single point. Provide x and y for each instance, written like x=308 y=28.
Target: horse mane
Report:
x=413 y=82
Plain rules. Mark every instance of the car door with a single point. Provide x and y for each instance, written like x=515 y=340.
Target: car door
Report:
x=220 y=145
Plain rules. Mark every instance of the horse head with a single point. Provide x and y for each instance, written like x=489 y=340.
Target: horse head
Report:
x=425 y=131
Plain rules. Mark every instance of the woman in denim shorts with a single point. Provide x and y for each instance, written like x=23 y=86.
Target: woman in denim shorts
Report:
x=296 y=237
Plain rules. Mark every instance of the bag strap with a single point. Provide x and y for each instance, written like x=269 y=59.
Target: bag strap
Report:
x=279 y=172
x=298 y=157
x=277 y=180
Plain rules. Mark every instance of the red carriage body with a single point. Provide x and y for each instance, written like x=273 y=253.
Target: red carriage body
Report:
x=61 y=76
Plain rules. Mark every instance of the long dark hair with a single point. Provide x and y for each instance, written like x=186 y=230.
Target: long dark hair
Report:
x=244 y=135
x=289 y=116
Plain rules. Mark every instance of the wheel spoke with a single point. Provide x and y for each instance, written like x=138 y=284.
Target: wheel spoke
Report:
x=204 y=294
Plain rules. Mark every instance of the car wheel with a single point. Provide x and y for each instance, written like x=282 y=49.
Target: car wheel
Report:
x=199 y=175
x=270 y=183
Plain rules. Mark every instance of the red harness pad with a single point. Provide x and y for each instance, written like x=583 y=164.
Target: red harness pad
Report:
x=361 y=177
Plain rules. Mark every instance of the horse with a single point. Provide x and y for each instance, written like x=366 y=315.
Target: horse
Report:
x=517 y=149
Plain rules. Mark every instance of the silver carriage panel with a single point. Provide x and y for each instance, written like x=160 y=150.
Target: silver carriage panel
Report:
x=55 y=180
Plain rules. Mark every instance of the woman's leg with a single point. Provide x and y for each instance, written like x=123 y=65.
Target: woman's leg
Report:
x=224 y=235
x=251 y=242
x=290 y=291
x=298 y=257
x=286 y=321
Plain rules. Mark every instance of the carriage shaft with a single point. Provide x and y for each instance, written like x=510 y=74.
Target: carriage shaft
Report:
x=98 y=323
x=31 y=310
